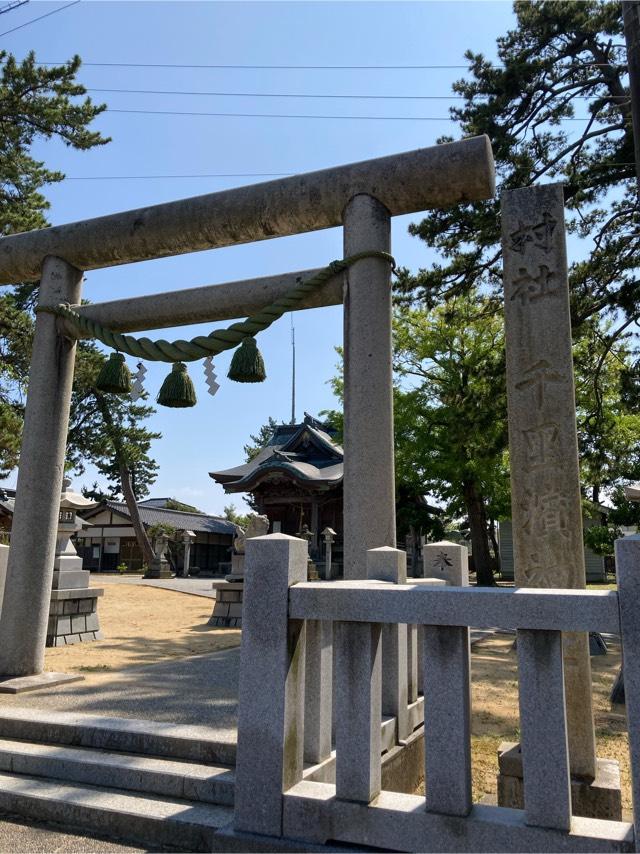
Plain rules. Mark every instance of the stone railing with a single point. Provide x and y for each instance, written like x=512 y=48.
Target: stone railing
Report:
x=273 y=799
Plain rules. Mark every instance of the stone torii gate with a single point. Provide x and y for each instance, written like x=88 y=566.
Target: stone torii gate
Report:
x=362 y=197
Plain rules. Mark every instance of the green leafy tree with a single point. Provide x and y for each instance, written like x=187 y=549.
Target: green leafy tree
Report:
x=16 y=333
x=260 y=440
x=109 y=431
x=174 y=504
x=608 y=420
x=36 y=103
x=232 y=515
x=556 y=107
x=450 y=413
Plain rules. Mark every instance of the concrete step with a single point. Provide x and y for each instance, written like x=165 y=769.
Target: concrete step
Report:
x=171 y=778
x=153 y=821
x=128 y=735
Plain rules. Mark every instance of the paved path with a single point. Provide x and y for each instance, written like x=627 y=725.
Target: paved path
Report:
x=195 y=586
x=202 y=689
x=32 y=837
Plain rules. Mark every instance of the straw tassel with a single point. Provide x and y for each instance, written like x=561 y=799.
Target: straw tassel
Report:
x=177 y=390
x=247 y=365
x=114 y=376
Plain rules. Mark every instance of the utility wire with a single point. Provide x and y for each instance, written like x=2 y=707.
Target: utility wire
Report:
x=235 y=175
x=297 y=95
x=153 y=177
x=265 y=67
x=9 y=7
x=304 y=116
x=280 y=95
x=40 y=18
x=306 y=67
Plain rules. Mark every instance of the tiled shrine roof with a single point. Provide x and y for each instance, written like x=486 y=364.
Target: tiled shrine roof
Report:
x=305 y=453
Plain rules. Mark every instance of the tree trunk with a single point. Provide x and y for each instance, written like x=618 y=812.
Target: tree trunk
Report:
x=494 y=543
x=134 y=513
x=125 y=482
x=479 y=535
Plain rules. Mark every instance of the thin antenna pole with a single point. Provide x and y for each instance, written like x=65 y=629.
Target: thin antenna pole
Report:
x=293 y=371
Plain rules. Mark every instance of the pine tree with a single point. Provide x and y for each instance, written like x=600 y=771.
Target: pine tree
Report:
x=556 y=108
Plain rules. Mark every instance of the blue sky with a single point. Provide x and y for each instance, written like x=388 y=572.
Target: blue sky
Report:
x=212 y=435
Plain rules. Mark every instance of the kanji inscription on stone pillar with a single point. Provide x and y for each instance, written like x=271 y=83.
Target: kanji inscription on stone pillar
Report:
x=543 y=446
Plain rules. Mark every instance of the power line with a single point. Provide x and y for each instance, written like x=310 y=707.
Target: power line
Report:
x=305 y=67
x=296 y=95
x=9 y=7
x=303 y=116
x=266 y=67
x=280 y=95
x=40 y=18
x=238 y=175
x=153 y=177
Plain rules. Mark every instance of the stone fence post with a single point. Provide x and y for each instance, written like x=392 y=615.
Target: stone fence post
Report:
x=628 y=574
x=271 y=697
x=387 y=564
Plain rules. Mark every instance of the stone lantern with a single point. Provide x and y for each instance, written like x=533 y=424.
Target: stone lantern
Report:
x=159 y=564
x=329 y=536
x=67 y=565
x=73 y=615
x=188 y=538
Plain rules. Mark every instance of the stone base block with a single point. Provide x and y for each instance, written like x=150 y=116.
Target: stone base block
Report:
x=600 y=799
x=73 y=617
x=159 y=570
x=70 y=579
x=20 y=684
x=227 y=611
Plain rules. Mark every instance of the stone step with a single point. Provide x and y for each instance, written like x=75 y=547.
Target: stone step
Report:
x=153 y=821
x=128 y=735
x=171 y=778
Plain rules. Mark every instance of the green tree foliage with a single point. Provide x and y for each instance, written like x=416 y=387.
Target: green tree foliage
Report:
x=601 y=539
x=450 y=413
x=232 y=515
x=174 y=504
x=16 y=332
x=608 y=422
x=556 y=108
x=109 y=431
x=261 y=439
x=36 y=103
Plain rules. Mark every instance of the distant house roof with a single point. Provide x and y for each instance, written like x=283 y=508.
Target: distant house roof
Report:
x=306 y=453
x=154 y=502
x=176 y=518
x=7 y=501
x=6 y=506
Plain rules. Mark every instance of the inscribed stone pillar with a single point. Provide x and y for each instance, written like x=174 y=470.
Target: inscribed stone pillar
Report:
x=448 y=561
x=369 y=489
x=545 y=486
x=25 y=611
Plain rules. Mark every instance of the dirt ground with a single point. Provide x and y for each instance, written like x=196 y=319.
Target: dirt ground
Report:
x=144 y=625
x=495 y=711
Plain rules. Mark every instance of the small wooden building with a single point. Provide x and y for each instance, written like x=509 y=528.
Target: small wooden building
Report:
x=111 y=540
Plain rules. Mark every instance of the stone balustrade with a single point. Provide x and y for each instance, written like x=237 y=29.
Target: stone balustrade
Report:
x=274 y=799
